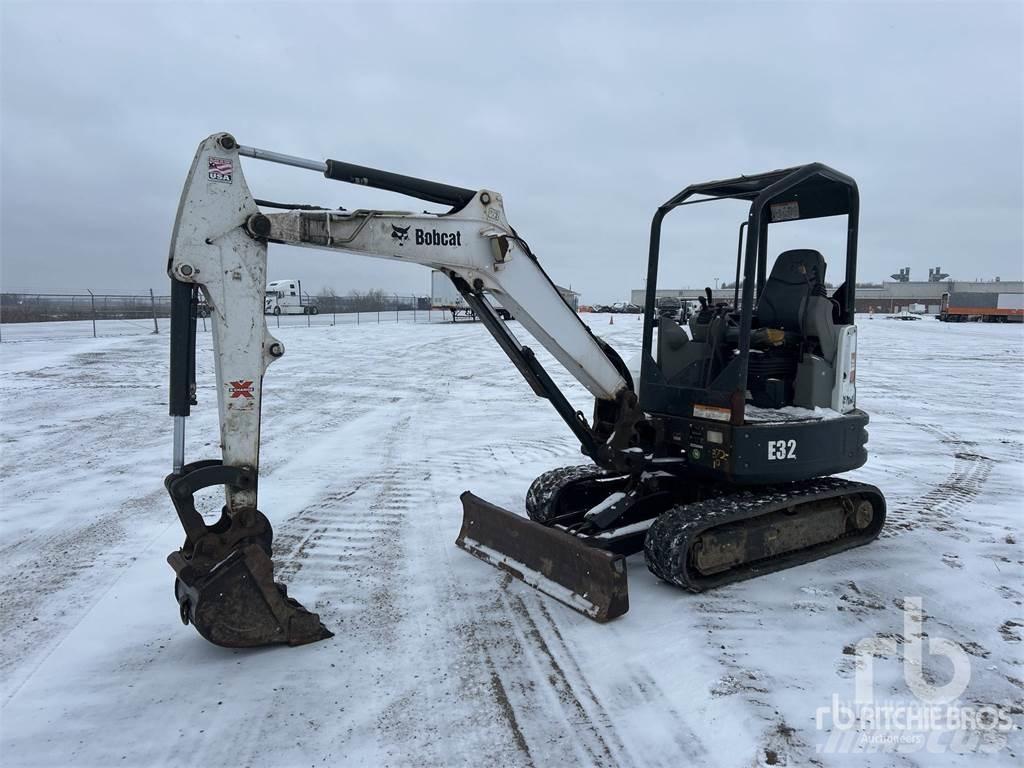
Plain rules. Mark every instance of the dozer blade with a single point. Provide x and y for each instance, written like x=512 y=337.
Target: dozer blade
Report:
x=589 y=580
x=238 y=605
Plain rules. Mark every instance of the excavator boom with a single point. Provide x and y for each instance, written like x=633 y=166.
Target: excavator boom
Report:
x=219 y=247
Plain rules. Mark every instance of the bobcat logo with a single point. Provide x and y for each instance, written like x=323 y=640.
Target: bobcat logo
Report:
x=401 y=234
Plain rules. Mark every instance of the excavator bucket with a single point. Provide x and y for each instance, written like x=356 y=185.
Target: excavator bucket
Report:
x=589 y=580
x=237 y=604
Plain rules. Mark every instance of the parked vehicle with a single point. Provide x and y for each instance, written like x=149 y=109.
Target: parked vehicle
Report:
x=982 y=307
x=618 y=308
x=669 y=306
x=285 y=297
x=445 y=296
x=904 y=315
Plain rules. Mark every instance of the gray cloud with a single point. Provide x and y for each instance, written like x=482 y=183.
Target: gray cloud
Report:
x=585 y=117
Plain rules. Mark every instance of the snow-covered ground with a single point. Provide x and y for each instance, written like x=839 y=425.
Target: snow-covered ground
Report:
x=370 y=433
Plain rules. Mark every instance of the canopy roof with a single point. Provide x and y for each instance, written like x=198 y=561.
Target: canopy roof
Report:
x=816 y=189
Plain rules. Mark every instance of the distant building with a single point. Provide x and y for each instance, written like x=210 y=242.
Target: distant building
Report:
x=878 y=297
x=571 y=297
x=639 y=295
x=895 y=297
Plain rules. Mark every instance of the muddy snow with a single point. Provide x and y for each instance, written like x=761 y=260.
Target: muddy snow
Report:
x=370 y=433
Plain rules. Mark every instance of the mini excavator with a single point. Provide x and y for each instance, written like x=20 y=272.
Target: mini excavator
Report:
x=718 y=464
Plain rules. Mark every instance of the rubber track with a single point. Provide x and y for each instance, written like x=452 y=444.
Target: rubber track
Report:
x=544 y=489
x=670 y=536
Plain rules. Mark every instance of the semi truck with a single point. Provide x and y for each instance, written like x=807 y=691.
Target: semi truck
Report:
x=982 y=307
x=285 y=297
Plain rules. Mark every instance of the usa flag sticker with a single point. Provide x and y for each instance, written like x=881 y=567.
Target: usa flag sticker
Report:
x=220 y=169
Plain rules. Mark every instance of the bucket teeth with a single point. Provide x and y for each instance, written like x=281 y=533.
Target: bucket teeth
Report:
x=237 y=604
x=589 y=580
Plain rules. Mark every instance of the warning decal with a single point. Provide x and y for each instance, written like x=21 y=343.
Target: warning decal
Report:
x=241 y=389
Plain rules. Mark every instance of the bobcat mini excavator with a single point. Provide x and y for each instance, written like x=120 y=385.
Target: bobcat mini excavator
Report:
x=717 y=464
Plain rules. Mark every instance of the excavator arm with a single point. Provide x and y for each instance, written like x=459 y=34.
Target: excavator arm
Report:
x=219 y=248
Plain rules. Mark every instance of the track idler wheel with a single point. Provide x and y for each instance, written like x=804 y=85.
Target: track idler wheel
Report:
x=237 y=604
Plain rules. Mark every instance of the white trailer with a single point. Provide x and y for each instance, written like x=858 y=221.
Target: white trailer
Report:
x=446 y=297
x=285 y=297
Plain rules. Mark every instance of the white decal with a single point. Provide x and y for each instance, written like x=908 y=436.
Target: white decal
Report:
x=711 y=412
x=785 y=211
x=781 y=449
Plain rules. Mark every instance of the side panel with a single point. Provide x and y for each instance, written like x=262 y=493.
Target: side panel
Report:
x=781 y=452
x=1011 y=301
x=773 y=452
x=844 y=391
x=984 y=312
x=973 y=300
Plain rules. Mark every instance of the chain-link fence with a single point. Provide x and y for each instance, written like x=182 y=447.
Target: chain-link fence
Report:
x=38 y=316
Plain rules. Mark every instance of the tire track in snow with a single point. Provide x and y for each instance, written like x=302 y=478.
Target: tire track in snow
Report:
x=553 y=703
x=938 y=507
x=327 y=547
x=493 y=646
x=580 y=709
x=338 y=534
x=352 y=544
x=581 y=701
x=83 y=562
x=722 y=615
x=346 y=546
x=548 y=704
x=650 y=695
x=539 y=706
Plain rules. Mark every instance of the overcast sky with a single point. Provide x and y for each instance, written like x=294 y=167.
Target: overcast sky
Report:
x=584 y=116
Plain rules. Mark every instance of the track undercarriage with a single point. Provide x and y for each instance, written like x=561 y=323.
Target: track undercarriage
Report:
x=694 y=533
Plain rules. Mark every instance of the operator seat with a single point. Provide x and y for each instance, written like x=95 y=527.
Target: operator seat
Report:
x=794 y=299
x=795 y=277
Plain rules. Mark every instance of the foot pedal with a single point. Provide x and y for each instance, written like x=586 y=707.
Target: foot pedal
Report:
x=237 y=604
